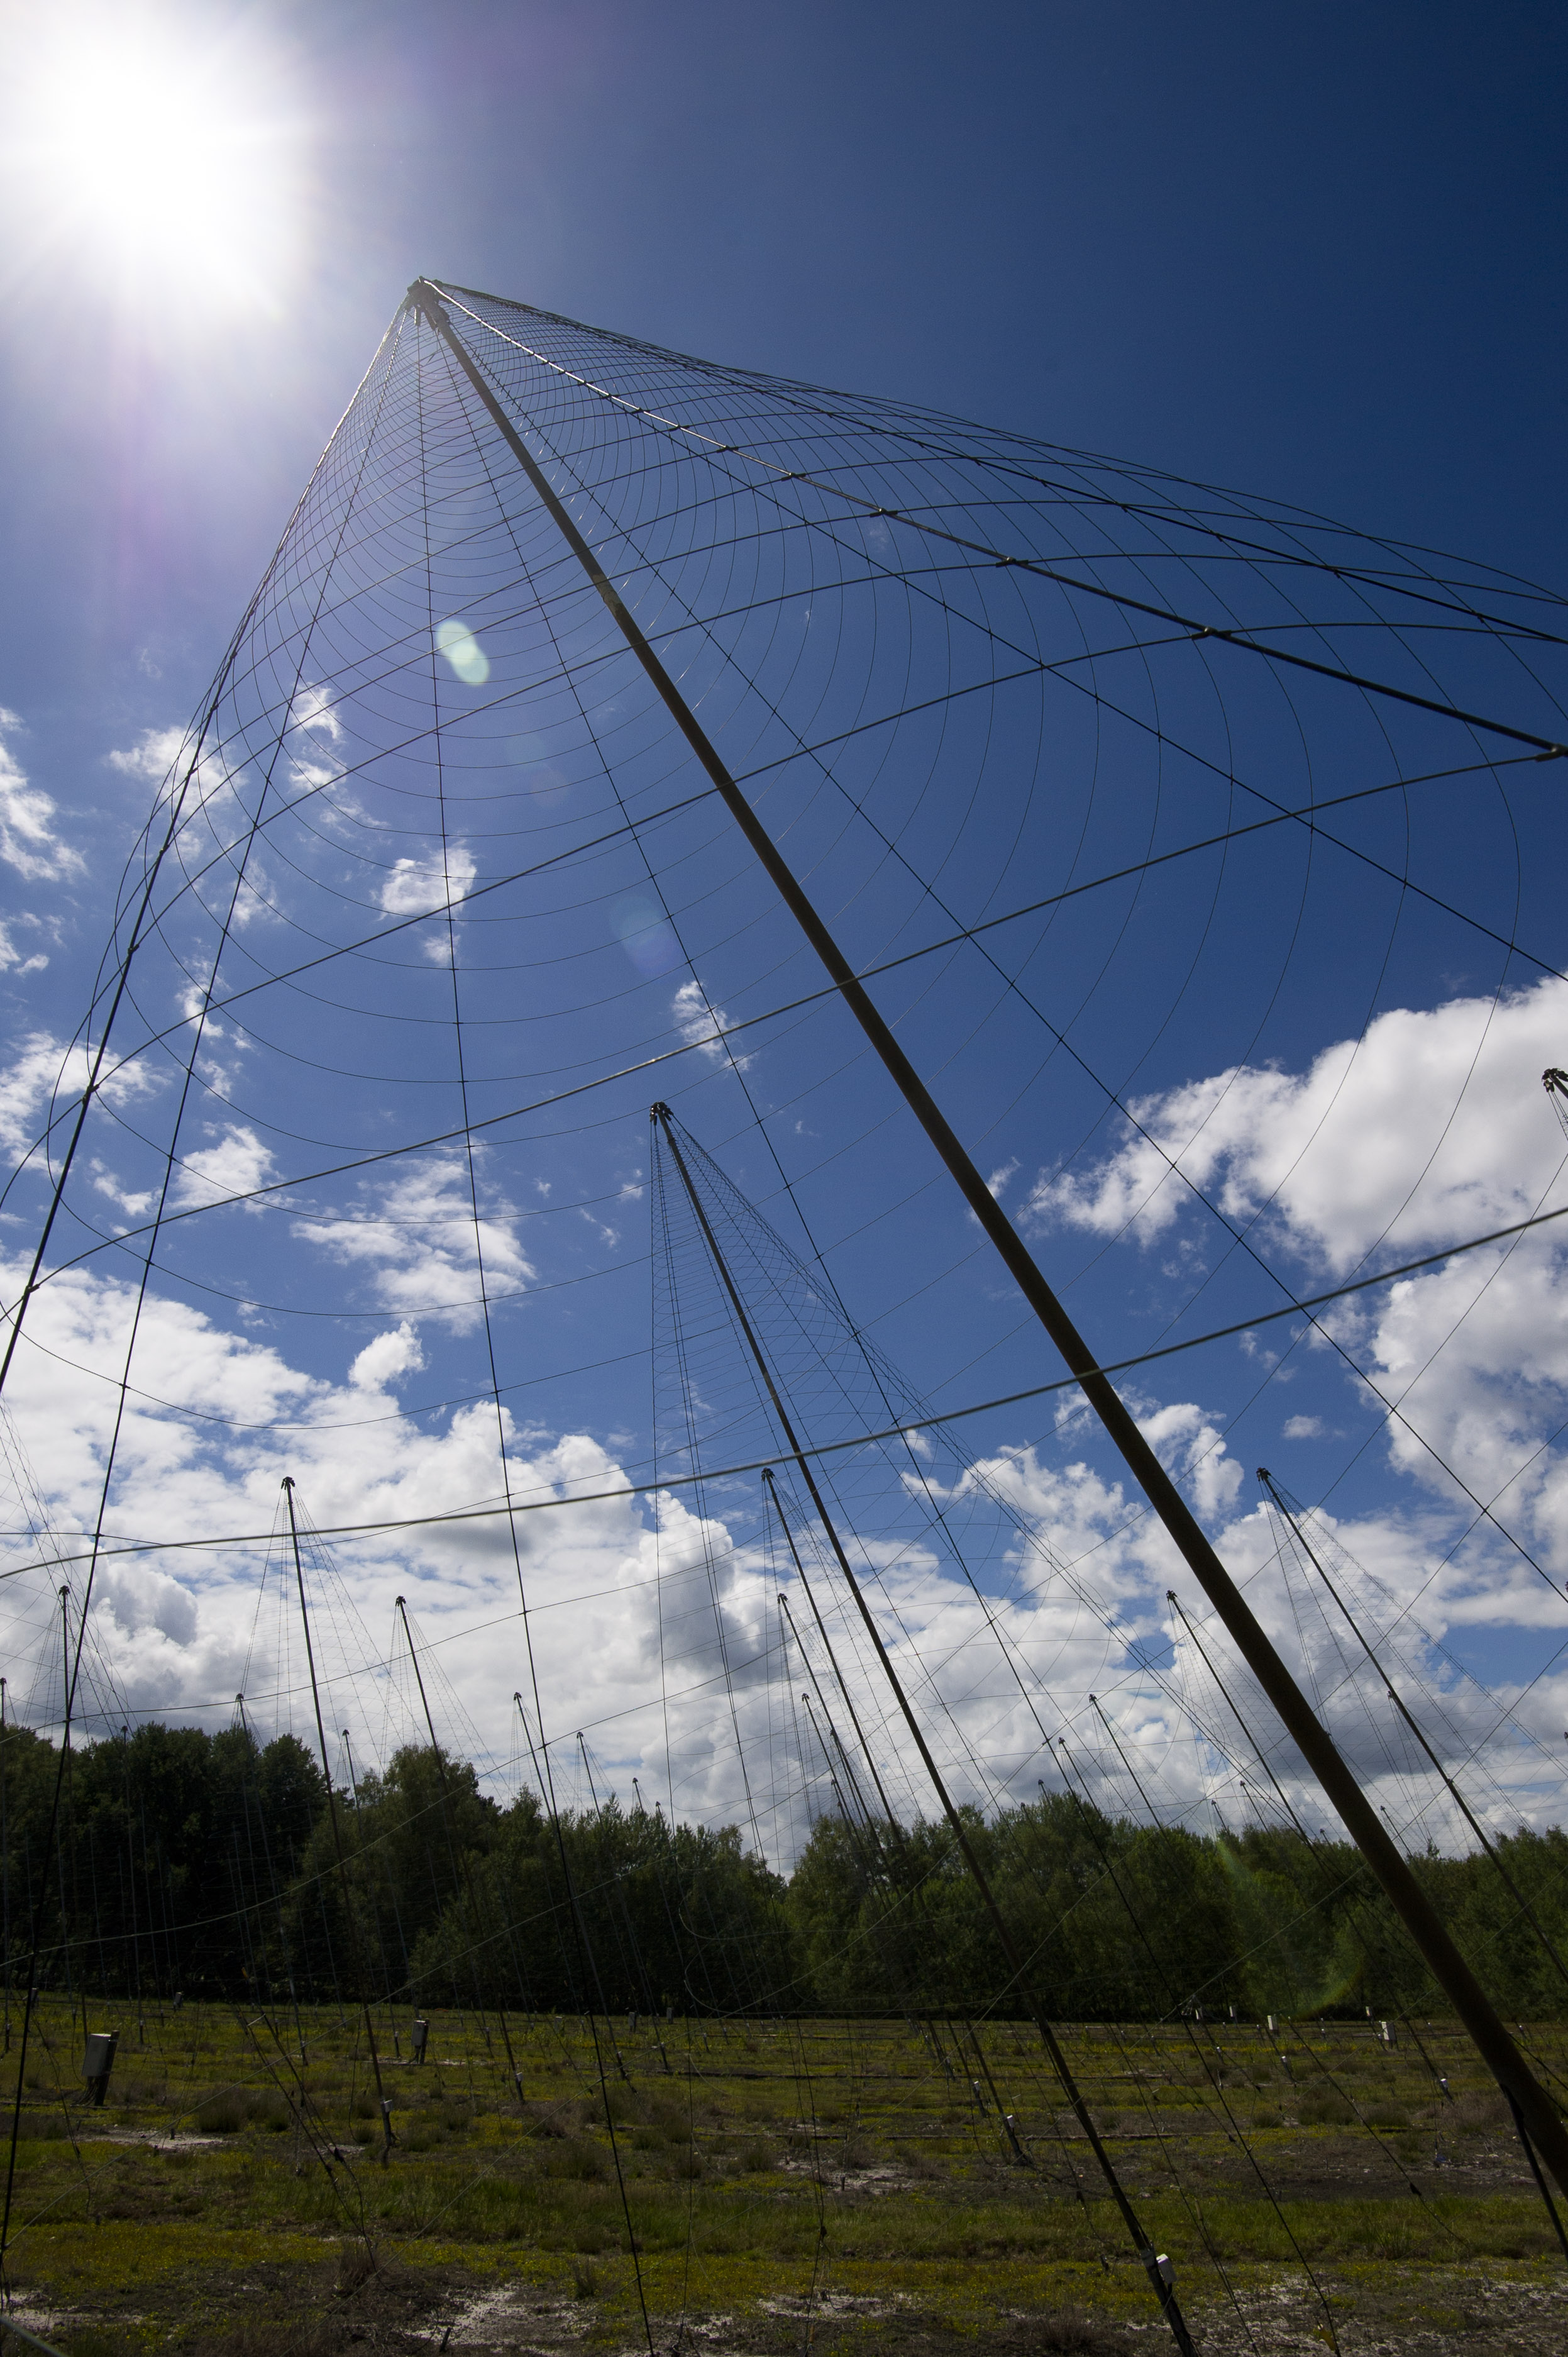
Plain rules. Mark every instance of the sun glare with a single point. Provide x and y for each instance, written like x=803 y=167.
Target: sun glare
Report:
x=159 y=162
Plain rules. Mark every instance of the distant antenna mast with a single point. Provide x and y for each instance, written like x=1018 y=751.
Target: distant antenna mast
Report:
x=349 y=1909
x=1154 y=2265
x=460 y=1854
x=1554 y=1080
x=1460 y=1802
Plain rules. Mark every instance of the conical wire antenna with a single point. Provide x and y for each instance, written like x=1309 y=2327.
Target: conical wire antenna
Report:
x=963 y=669
x=480 y=823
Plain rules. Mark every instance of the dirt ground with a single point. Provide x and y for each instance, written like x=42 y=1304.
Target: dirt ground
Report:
x=398 y=2311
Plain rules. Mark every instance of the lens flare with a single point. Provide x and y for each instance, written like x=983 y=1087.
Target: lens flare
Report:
x=463 y=651
x=646 y=934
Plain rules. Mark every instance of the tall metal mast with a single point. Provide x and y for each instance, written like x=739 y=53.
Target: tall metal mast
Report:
x=1157 y=2271
x=356 y=1961
x=866 y=1752
x=5 y=1872
x=1460 y=1802
x=1174 y=1600
x=852 y=1787
x=460 y=1856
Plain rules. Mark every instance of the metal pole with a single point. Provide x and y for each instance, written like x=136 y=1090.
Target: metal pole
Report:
x=1084 y=1803
x=1526 y=1910
x=844 y=1810
x=1448 y=1967
x=827 y=1641
x=1147 y=2255
x=351 y=1925
x=5 y=1871
x=65 y=1747
x=391 y=1892
x=460 y=1858
x=853 y=1785
x=1153 y=1813
x=131 y=1896
x=1174 y=1600
x=277 y=1901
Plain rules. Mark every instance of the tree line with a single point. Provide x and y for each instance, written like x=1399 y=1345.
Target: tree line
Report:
x=212 y=1866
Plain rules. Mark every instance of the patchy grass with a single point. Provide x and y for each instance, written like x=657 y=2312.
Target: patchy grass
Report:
x=229 y=2200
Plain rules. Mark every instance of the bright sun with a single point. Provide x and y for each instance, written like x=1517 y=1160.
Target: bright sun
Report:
x=158 y=157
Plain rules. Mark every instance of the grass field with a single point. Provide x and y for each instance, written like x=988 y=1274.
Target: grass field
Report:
x=768 y=2187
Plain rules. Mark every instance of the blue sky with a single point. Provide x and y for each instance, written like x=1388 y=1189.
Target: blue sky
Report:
x=1314 y=253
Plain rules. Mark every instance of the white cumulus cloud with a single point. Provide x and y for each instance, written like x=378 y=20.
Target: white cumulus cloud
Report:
x=425 y=884
x=235 y=1164
x=151 y=757
x=313 y=709
x=42 y=1074
x=699 y=1023
x=17 y=961
x=29 y=842
x=654 y=1627
x=415 y=1240
x=1432 y=1126
x=389 y=1355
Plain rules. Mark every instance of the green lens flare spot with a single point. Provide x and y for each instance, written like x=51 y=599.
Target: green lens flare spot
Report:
x=463 y=651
